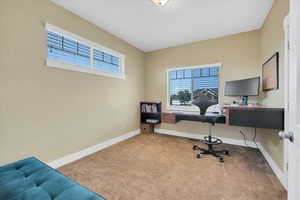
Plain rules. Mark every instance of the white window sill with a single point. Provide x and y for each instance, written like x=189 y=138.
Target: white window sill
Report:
x=182 y=108
x=188 y=108
x=82 y=69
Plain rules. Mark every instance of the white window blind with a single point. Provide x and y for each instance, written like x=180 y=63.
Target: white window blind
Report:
x=105 y=61
x=66 y=50
x=69 y=51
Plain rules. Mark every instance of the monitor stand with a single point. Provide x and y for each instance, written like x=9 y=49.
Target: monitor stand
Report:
x=245 y=101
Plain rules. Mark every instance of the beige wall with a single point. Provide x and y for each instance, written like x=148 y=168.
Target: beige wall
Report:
x=240 y=56
x=47 y=112
x=238 y=53
x=272 y=40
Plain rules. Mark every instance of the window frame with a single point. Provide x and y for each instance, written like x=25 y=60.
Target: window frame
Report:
x=84 y=69
x=188 y=108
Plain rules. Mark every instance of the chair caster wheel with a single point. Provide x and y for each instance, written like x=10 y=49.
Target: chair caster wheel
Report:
x=198 y=156
x=195 y=148
x=222 y=160
x=226 y=152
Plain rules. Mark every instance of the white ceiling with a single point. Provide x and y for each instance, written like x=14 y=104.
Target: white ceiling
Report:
x=149 y=27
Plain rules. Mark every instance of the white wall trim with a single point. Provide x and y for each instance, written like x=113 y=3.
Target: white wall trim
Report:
x=278 y=172
x=286 y=143
x=85 y=152
x=200 y=136
x=219 y=64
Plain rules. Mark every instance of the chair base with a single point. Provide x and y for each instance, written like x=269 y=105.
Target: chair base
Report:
x=210 y=141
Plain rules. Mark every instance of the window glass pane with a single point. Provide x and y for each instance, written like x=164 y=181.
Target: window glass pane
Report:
x=180 y=74
x=205 y=72
x=98 y=55
x=214 y=71
x=172 y=74
x=54 y=40
x=106 y=66
x=187 y=73
x=70 y=45
x=186 y=85
x=83 y=50
x=206 y=84
x=115 y=60
x=180 y=92
x=67 y=50
x=64 y=56
x=196 y=72
x=106 y=62
x=107 y=58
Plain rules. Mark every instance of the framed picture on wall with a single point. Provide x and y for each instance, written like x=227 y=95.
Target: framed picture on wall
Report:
x=270 y=73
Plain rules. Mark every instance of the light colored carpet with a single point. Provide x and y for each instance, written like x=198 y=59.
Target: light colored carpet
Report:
x=159 y=167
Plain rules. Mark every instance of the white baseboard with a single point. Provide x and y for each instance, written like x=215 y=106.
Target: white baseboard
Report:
x=76 y=156
x=278 y=172
x=200 y=136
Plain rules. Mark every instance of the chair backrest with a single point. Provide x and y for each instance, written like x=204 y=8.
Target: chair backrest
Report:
x=203 y=101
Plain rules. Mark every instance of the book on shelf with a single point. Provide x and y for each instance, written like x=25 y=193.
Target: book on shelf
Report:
x=154 y=108
x=152 y=121
x=149 y=108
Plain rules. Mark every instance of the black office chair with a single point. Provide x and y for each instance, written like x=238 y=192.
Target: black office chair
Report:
x=203 y=101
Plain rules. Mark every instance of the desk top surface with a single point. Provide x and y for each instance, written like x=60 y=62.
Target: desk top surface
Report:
x=228 y=107
x=181 y=112
x=251 y=119
x=256 y=107
x=176 y=112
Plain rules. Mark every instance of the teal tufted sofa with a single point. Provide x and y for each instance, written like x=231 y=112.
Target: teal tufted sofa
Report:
x=31 y=179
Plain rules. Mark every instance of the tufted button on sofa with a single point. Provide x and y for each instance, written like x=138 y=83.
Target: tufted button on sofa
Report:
x=31 y=179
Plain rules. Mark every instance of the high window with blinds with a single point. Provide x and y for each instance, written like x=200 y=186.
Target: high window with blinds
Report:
x=69 y=51
x=63 y=49
x=185 y=84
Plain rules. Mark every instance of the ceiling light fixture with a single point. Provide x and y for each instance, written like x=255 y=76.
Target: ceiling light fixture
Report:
x=160 y=2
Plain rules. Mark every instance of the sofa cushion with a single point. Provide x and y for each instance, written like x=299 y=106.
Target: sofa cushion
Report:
x=31 y=179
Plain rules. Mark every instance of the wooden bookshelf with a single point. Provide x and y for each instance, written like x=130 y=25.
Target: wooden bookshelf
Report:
x=150 y=110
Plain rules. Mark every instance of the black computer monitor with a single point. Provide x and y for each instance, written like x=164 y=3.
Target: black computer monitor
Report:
x=244 y=88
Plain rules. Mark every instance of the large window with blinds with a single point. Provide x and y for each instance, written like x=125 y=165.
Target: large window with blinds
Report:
x=69 y=51
x=185 y=84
